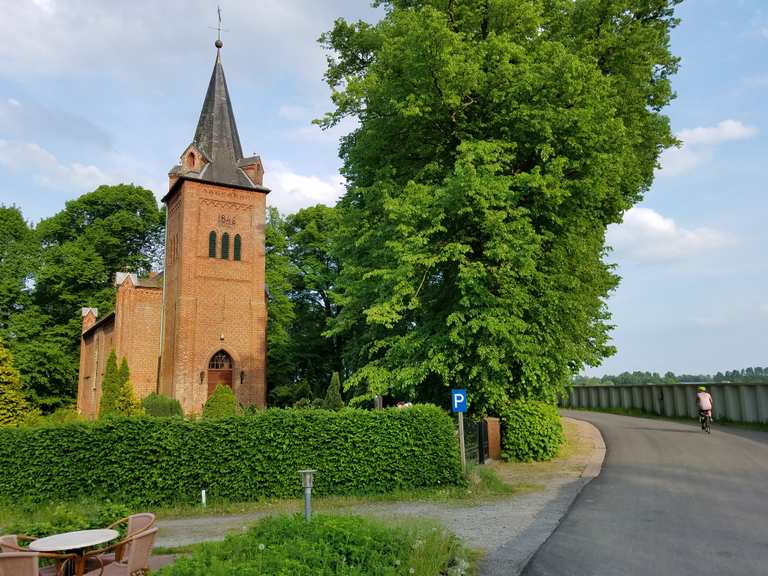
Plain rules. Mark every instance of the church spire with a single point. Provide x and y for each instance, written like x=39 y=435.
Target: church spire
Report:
x=215 y=154
x=216 y=135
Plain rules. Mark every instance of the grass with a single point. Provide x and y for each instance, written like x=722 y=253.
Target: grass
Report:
x=759 y=426
x=483 y=484
x=346 y=545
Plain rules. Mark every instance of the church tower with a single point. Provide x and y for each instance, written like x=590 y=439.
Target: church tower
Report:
x=214 y=305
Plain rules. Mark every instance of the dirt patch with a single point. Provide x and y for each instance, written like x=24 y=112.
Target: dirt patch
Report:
x=572 y=461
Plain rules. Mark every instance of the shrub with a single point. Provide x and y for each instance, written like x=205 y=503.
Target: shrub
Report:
x=530 y=430
x=333 y=399
x=161 y=406
x=109 y=386
x=14 y=408
x=117 y=397
x=325 y=546
x=146 y=461
x=221 y=404
x=65 y=518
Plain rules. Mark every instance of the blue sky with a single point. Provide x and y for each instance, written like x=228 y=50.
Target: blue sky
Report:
x=110 y=91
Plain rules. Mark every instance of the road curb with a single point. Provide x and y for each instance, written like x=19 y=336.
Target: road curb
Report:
x=595 y=464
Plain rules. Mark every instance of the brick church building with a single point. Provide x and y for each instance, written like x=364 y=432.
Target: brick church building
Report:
x=202 y=321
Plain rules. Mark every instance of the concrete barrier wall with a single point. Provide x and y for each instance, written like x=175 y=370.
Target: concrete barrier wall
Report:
x=735 y=402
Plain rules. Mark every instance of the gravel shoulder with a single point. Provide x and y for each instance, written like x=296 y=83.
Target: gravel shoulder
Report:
x=508 y=530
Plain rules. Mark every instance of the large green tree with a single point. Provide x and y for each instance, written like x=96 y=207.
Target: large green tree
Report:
x=497 y=140
x=301 y=274
x=68 y=261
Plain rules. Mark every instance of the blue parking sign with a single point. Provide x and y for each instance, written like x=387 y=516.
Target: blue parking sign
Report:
x=458 y=400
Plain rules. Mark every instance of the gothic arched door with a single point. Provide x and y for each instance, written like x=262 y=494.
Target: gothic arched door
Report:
x=219 y=371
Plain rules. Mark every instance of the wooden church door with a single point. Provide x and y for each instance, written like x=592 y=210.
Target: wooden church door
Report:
x=219 y=371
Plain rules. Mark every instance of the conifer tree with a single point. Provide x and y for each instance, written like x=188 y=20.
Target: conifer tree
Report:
x=109 y=387
x=333 y=399
x=126 y=402
x=13 y=403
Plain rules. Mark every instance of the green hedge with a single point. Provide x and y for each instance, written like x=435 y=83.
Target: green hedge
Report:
x=530 y=430
x=146 y=460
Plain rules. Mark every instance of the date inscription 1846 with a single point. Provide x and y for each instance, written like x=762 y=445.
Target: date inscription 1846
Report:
x=225 y=220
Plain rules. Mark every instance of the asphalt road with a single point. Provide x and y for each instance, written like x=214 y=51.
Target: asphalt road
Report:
x=670 y=500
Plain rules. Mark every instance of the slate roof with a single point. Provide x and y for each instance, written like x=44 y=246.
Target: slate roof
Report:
x=216 y=135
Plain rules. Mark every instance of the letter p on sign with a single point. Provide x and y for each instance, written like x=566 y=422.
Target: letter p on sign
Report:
x=458 y=400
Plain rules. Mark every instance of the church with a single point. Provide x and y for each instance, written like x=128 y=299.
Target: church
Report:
x=202 y=321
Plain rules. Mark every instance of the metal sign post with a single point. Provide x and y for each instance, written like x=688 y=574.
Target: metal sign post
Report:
x=459 y=405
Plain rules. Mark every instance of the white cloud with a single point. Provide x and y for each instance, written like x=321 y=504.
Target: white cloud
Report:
x=292 y=192
x=145 y=38
x=47 y=169
x=647 y=236
x=676 y=161
x=697 y=145
x=723 y=132
x=33 y=122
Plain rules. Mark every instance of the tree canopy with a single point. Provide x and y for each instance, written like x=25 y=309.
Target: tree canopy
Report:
x=47 y=273
x=496 y=142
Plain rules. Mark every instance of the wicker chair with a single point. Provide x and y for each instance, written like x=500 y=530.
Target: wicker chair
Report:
x=10 y=543
x=18 y=564
x=136 y=560
x=135 y=524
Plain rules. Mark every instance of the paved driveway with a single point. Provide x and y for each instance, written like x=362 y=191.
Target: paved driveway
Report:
x=670 y=501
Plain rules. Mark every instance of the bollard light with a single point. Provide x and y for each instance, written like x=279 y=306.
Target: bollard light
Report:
x=203 y=498
x=307 y=477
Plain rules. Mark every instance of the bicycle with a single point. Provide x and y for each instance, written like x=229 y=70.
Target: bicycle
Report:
x=706 y=421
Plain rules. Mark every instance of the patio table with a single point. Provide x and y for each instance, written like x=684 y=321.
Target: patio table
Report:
x=74 y=543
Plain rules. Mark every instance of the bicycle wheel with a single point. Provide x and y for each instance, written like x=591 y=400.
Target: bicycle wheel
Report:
x=708 y=424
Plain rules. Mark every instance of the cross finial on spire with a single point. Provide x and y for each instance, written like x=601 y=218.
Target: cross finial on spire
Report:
x=218 y=29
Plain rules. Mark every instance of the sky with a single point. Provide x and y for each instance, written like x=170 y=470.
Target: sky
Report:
x=108 y=91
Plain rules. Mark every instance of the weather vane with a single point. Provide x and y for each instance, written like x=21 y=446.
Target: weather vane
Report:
x=219 y=29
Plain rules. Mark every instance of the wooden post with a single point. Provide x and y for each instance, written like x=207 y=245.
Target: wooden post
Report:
x=461 y=443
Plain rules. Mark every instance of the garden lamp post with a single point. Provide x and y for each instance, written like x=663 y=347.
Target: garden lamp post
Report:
x=307 y=476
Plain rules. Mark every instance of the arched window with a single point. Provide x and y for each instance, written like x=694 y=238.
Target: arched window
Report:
x=220 y=361
x=212 y=245
x=237 y=247
x=225 y=246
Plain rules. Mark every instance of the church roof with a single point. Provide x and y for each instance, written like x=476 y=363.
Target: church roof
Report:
x=216 y=135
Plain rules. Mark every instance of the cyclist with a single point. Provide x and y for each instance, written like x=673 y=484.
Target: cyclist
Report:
x=704 y=402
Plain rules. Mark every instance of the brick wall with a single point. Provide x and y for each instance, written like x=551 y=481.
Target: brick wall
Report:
x=137 y=323
x=95 y=346
x=214 y=304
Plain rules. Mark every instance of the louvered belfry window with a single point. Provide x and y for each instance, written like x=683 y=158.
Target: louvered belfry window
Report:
x=237 y=247
x=225 y=246
x=212 y=245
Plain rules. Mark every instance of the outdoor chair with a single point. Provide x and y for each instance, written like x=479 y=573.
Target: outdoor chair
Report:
x=19 y=564
x=135 y=525
x=10 y=543
x=134 y=563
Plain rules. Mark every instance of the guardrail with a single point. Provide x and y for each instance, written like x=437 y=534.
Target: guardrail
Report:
x=734 y=402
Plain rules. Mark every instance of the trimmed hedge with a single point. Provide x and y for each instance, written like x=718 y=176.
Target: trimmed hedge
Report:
x=146 y=460
x=530 y=430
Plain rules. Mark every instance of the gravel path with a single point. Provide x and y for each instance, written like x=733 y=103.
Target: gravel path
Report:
x=509 y=530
